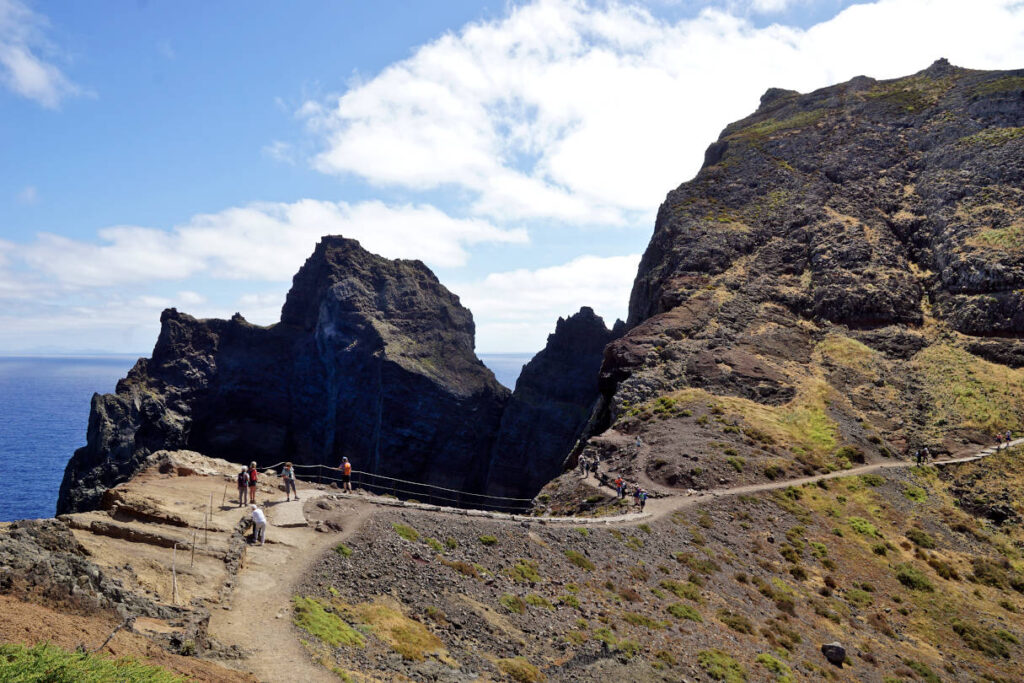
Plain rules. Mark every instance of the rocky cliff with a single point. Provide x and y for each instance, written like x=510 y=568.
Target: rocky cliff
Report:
x=373 y=359
x=841 y=281
x=552 y=401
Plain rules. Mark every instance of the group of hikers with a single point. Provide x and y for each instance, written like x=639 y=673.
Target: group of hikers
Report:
x=1003 y=440
x=248 y=478
x=623 y=489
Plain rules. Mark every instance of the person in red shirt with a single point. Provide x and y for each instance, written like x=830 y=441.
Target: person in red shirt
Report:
x=253 y=476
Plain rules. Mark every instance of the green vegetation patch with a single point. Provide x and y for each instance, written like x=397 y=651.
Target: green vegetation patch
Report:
x=686 y=590
x=683 y=611
x=991 y=137
x=913 y=578
x=512 y=603
x=488 y=540
x=580 y=560
x=921 y=538
x=524 y=571
x=863 y=526
x=922 y=670
x=737 y=622
x=978 y=638
x=967 y=392
x=538 y=601
x=328 y=627
x=780 y=669
x=769 y=127
x=520 y=670
x=643 y=620
x=915 y=493
x=406 y=531
x=46 y=662
x=435 y=545
x=999 y=85
x=343 y=550
x=721 y=667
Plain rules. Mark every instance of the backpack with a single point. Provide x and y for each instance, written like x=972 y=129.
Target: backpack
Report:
x=252 y=477
x=243 y=478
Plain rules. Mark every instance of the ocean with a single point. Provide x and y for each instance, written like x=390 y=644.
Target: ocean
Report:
x=44 y=414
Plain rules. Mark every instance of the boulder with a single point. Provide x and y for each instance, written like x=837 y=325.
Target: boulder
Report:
x=834 y=653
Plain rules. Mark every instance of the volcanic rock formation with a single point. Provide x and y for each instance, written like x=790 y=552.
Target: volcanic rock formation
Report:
x=550 y=406
x=373 y=359
x=843 y=278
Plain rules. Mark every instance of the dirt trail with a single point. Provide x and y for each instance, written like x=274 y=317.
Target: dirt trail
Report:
x=673 y=500
x=260 y=618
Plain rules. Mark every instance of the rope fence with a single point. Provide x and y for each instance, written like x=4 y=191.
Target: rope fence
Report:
x=419 y=491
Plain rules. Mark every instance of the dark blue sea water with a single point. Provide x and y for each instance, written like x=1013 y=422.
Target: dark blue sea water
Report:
x=44 y=413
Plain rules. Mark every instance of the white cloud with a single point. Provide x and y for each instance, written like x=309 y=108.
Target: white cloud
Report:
x=264 y=241
x=28 y=195
x=263 y=308
x=22 y=70
x=520 y=307
x=186 y=298
x=590 y=114
x=280 y=151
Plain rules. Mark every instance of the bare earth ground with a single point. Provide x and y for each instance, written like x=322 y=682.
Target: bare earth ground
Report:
x=251 y=609
x=260 y=618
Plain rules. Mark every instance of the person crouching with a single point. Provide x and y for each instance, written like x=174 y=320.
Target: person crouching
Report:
x=259 y=525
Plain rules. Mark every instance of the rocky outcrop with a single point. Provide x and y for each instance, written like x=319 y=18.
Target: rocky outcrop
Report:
x=373 y=359
x=850 y=260
x=553 y=398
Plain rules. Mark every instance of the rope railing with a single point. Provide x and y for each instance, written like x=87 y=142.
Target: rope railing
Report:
x=418 y=489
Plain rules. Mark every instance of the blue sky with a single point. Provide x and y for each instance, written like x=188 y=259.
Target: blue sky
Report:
x=190 y=153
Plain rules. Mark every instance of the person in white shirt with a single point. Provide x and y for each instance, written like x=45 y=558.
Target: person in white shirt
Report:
x=259 y=525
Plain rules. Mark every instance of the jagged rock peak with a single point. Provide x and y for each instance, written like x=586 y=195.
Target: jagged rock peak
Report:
x=373 y=360
x=554 y=398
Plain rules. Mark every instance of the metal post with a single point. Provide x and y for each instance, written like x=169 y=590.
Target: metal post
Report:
x=174 y=575
x=193 y=561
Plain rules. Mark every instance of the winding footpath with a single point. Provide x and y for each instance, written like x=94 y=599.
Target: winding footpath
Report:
x=670 y=499
x=258 y=618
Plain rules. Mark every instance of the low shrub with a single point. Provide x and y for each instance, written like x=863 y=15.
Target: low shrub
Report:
x=580 y=560
x=46 y=662
x=737 y=622
x=512 y=603
x=921 y=538
x=406 y=531
x=328 y=627
x=520 y=670
x=488 y=540
x=721 y=667
x=913 y=578
x=682 y=611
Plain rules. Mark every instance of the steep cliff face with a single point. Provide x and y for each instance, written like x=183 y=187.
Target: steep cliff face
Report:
x=373 y=359
x=554 y=396
x=841 y=280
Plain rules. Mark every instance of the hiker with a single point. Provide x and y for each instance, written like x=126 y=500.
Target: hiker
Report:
x=638 y=442
x=643 y=499
x=618 y=487
x=636 y=496
x=593 y=466
x=346 y=475
x=259 y=525
x=584 y=465
x=918 y=456
x=925 y=454
x=243 y=486
x=253 y=476
x=288 y=474
x=1009 y=437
